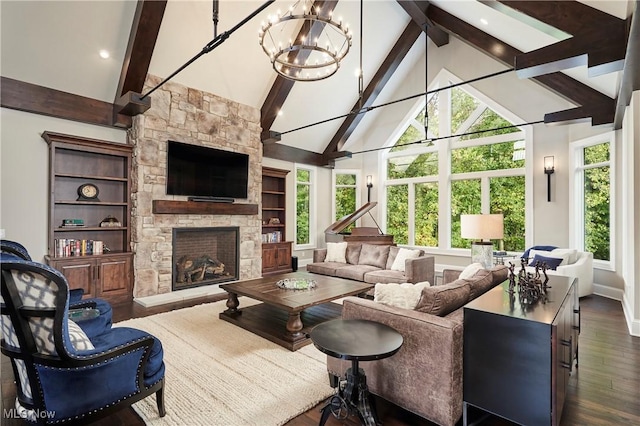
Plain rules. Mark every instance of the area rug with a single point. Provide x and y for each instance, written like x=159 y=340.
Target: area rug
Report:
x=220 y=374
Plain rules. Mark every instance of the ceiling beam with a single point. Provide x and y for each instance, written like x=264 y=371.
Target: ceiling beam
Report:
x=594 y=104
x=22 y=96
x=417 y=10
x=135 y=66
x=373 y=89
x=630 y=81
x=279 y=151
x=599 y=39
x=282 y=86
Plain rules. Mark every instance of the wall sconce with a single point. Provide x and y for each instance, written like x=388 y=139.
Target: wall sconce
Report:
x=369 y=186
x=548 y=170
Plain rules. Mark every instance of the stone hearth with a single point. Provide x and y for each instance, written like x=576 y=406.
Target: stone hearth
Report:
x=191 y=116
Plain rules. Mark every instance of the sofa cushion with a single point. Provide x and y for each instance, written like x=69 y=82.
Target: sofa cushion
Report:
x=479 y=283
x=354 y=272
x=336 y=252
x=405 y=295
x=552 y=262
x=401 y=257
x=325 y=268
x=353 y=253
x=384 y=276
x=442 y=299
x=374 y=255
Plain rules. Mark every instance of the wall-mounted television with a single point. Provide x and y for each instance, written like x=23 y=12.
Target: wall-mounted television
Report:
x=200 y=171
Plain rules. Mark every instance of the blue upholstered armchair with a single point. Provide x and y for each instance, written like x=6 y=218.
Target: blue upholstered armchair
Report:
x=63 y=374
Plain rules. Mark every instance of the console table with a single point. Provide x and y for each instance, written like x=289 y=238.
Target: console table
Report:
x=517 y=359
x=355 y=340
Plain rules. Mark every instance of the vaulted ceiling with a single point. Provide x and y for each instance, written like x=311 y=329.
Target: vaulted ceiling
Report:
x=586 y=52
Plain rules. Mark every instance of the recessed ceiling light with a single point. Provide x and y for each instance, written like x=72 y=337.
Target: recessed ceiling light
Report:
x=484 y=21
x=104 y=54
x=280 y=113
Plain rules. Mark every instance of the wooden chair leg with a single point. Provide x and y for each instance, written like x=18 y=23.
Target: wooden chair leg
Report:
x=160 y=401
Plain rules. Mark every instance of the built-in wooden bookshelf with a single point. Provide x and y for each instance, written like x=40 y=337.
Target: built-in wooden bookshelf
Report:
x=276 y=252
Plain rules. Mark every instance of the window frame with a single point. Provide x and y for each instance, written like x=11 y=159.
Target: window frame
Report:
x=576 y=194
x=444 y=148
x=334 y=186
x=312 y=206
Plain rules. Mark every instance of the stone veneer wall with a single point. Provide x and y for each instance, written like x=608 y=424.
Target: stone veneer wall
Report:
x=191 y=116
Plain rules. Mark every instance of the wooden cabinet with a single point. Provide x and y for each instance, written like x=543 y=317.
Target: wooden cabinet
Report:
x=517 y=359
x=276 y=253
x=103 y=220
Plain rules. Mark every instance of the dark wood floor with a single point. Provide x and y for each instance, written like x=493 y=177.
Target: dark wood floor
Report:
x=604 y=390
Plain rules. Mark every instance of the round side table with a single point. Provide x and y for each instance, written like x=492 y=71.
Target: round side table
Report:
x=355 y=340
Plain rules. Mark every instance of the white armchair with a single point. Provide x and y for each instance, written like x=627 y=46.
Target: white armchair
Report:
x=582 y=269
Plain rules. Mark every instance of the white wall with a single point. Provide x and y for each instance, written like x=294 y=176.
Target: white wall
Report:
x=24 y=168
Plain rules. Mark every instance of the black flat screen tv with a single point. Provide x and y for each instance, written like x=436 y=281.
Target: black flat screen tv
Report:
x=200 y=171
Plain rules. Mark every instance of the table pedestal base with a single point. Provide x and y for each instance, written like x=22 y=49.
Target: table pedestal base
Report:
x=353 y=398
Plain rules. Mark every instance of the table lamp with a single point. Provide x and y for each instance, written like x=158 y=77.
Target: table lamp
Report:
x=481 y=228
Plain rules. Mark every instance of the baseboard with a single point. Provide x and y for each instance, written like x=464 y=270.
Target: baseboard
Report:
x=632 y=324
x=178 y=296
x=608 y=292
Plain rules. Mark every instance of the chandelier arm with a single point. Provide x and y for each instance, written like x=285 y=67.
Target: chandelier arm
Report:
x=218 y=40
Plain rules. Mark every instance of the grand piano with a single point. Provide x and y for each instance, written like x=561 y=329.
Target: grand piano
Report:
x=335 y=232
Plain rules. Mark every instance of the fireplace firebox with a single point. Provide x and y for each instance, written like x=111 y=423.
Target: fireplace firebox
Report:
x=205 y=256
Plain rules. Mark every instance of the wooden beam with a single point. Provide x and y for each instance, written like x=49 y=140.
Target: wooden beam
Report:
x=142 y=41
x=373 y=89
x=417 y=10
x=598 y=41
x=135 y=66
x=600 y=106
x=279 y=151
x=630 y=81
x=22 y=96
x=281 y=86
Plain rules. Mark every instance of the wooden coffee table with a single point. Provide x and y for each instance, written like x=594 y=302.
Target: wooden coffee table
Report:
x=287 y=316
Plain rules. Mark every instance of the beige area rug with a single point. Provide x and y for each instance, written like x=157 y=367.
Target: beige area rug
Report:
x=220 y=374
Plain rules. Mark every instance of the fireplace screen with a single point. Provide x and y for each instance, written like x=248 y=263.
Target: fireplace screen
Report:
x=204 y=256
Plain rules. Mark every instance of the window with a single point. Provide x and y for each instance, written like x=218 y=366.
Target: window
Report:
x=305 y=212
x=346 y=196
x=592 y=197
x=429 y=184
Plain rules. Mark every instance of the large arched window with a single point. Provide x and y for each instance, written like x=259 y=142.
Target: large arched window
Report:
x=466 y=169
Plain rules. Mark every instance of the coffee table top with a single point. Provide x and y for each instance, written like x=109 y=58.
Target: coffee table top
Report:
x=327 y=289
x=354 y=339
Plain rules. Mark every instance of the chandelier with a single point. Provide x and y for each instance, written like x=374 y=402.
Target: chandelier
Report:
x=315 y=53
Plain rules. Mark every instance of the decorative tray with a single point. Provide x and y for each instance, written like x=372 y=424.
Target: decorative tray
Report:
x=296 y=284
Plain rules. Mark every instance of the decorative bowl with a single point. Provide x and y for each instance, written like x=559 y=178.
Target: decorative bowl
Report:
x=296 y=284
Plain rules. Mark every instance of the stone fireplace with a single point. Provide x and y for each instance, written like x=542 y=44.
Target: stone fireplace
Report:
x=204 y=256
x=190 y=116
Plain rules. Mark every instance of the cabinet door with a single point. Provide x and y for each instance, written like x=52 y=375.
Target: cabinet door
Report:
x=283 y=256
x=114 y=278
x=269 y=259
x=79 y=274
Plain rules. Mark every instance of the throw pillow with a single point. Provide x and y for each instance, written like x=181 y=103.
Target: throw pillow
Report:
x=405 y=296
x=353 y=253
x=564 y=257
x=78 y=338
x=552 y=262
x=336 y=252
x=544 y=248
x=470 y=270
x=571 y=258
x=402 y=256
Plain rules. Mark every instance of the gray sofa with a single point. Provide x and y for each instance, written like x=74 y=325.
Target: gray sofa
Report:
x=425 y=376
x=372 y=263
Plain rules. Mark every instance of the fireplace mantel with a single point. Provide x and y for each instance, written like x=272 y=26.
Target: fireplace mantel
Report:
x=197 y=207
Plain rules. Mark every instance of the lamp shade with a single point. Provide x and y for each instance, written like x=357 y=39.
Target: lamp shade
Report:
x=482 y=226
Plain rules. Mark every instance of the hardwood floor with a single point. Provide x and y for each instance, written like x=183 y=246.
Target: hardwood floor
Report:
x=604 y=390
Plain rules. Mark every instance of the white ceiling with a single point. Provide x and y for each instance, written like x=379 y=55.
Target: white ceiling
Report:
x=56 y=43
